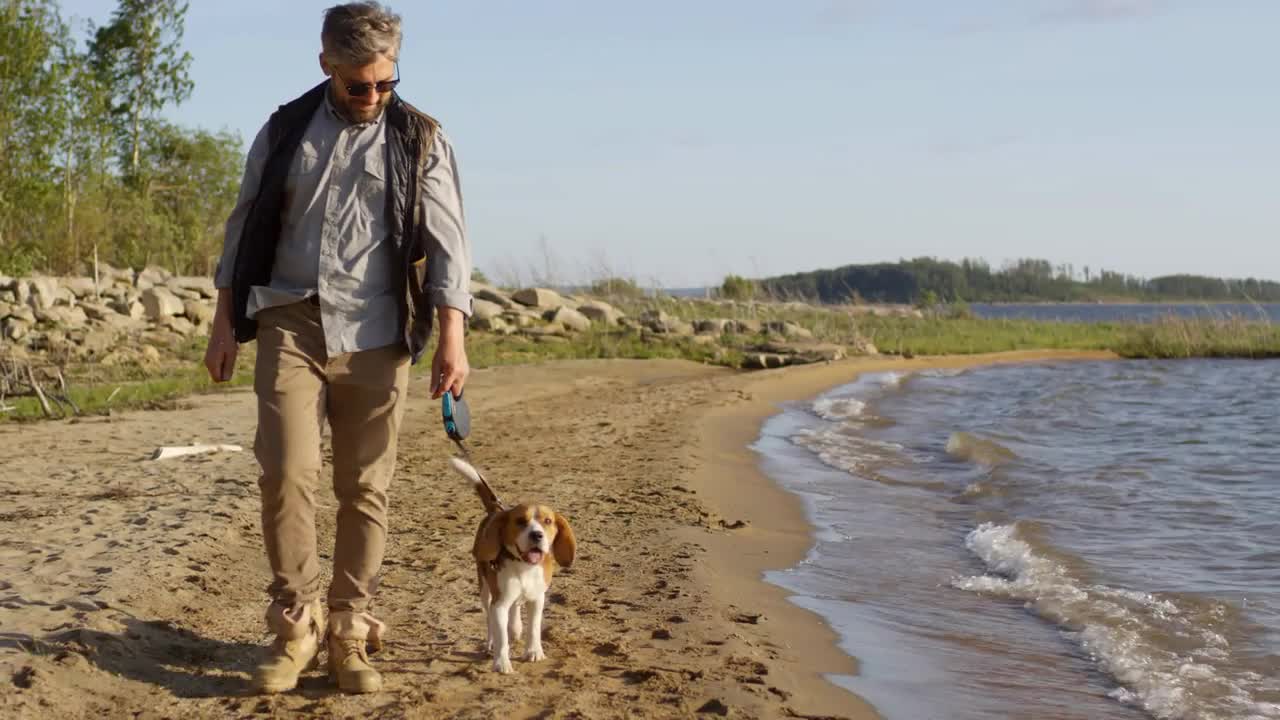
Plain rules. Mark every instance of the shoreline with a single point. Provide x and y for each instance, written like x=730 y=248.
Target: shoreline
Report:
x=779 y=533
x=137 y=586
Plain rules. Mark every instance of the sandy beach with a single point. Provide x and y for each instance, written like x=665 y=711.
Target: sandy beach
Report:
x=131 y=587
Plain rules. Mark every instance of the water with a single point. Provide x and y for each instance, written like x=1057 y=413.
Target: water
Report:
x=1126 y=312
x=1070 y=540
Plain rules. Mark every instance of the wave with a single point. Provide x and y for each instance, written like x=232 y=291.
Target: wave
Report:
x=838 y=409
x=980 y=450
x=1167 y=652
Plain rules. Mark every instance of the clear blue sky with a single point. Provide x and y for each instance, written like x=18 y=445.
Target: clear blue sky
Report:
x=676 y=142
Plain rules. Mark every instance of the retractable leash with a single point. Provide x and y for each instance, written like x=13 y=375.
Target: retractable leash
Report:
x=457 y=425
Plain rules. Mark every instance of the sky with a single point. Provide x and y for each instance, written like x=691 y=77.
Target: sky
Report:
x=675 y=142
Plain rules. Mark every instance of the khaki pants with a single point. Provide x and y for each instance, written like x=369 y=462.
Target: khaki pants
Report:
x=362 y=396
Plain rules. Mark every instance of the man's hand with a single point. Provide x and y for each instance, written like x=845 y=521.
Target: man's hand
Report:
x=220 y=356
x=449 y=367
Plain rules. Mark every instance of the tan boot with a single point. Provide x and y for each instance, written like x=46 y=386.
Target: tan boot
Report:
x=350 y=634
x=295 y=649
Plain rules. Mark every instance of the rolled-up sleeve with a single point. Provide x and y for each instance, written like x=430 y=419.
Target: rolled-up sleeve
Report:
x=448 y=250
x=235 y=223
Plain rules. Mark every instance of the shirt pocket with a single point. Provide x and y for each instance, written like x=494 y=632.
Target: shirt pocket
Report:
x=305 y=161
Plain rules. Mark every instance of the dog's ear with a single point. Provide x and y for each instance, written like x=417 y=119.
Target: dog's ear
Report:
x=489 y=540
x=565 y=546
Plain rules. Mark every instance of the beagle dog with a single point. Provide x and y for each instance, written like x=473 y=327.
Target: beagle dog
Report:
x=517 y=550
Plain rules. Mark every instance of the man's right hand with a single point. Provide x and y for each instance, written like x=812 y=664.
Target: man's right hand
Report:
x=220 y=356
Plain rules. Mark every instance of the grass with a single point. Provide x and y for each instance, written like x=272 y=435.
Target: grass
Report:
x=98 y=390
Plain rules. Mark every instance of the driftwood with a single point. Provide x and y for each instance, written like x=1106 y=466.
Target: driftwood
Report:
x=173 y=451
x=20 y=378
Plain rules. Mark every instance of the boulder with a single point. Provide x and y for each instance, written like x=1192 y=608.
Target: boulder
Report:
x=63 y=316
x=80 y=287
x=159 y=303
x=788 y=329
x=42 y=292
x=179 y=324
x=600 y=311
x=150 y=277
x=15 y=329
x=198 y=311
x=485 y=309
x=490 y=324
x=481 y=291
x=863 y=346
x=569 y=318
x=193 y=283
x=539 y=298
x=714 y=326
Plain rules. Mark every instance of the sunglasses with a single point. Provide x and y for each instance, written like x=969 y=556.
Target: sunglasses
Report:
x=362 y=89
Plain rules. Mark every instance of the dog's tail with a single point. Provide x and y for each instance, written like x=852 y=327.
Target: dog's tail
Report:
x=487 y=496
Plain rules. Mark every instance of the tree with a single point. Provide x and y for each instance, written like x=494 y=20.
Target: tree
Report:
x=33 y=42
x=138 y=55
x=735 y=287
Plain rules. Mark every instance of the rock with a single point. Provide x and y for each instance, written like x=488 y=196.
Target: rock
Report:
x=544 y=331
x=130 y=308
x=763 y=361
x=16 y=328
x=485 y=309
x=600 y=311
x=748 y=327
x=97 y=311
x=184 y=293
x=150 y=354
x=490 y=324
x=520 y=319
x=570 y=319
x=150 y=277
x=660 y=322
x=788 y=329
x=22 y=292
x=480 y=291
x=539 y=298
x=43 y=293
x=160 y=303
x=98 y=343
x=863 y=346
x=23 y=313
x=191 y=283
x=62 y=316
x=198 y=311
x=717 y=326
x=178 y=324
x=80 y=287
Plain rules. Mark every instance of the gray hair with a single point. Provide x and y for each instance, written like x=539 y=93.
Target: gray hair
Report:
x=357 y=33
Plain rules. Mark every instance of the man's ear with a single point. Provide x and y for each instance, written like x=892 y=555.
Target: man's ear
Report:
x=324 y=66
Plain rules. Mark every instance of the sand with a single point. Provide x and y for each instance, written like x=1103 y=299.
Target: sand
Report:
x=131 y=587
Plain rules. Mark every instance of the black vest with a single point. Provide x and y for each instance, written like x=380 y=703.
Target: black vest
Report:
x=410 y=134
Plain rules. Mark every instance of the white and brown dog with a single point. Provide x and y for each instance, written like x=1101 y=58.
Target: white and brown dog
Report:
x=516 y=550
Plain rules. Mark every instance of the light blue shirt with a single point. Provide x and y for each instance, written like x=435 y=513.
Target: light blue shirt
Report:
x=334 y=240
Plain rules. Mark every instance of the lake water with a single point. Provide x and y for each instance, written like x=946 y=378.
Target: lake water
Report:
x=1066 y=540
x=1135 y=312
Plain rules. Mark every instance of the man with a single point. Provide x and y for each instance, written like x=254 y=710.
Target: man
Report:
x=347 y=233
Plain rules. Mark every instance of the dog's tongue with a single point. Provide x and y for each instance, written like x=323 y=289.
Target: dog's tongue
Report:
x=533 y=557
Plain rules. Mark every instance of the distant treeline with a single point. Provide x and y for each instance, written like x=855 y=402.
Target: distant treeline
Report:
x=929 y=279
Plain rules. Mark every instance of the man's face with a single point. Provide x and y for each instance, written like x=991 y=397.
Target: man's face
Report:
x=359 y=108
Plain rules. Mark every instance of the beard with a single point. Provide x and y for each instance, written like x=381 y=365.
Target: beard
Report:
x=360 y=113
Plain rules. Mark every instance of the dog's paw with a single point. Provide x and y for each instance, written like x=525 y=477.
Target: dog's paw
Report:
x=535 y=654
x=503 y=665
